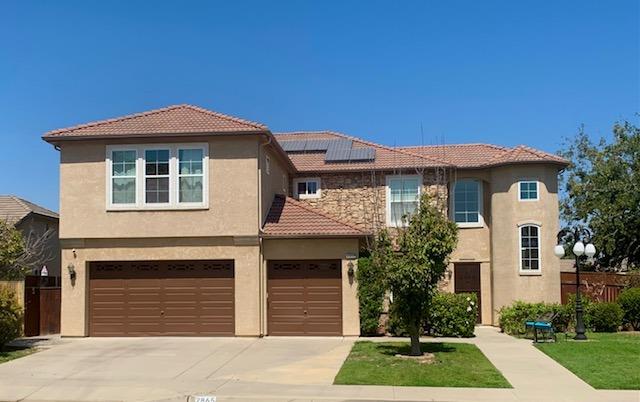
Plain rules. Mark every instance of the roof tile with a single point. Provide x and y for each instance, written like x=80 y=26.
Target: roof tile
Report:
x=291 y=218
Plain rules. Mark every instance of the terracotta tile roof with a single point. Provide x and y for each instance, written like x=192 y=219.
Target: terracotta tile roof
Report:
x=456 y=155
x=291 y=218
x=14 y=209
x=178 y=119
x=385 y=157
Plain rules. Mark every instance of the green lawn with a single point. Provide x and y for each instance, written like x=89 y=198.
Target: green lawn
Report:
x=10 y=354
x=606 y=361
x=457 y=365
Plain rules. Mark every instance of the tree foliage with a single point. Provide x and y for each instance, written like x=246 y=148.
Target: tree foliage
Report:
x=20 y=254
x=414 y=272
x=602 y=192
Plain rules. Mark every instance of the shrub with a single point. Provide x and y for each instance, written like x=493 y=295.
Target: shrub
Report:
x=629 y=300
x=10 y=317
x=452 y=314
x=370 y=295
x=587 y=305
x=605 y=317
x=513 y=317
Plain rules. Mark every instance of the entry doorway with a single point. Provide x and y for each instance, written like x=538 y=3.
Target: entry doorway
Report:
x=467 y=280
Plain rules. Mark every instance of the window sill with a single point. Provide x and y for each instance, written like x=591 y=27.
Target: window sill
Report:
x=526 y=273
x=470 y=225
x=159 y=208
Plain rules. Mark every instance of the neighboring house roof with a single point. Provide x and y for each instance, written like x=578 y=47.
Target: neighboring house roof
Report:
x=14 y=209
x=291 y=218
x=171 y=120
x=387 y=158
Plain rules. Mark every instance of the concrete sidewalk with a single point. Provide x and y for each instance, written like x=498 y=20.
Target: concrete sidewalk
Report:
x=270 y=369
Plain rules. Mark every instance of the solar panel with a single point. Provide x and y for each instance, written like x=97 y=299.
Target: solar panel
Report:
x=362 y=154
x=340 y=144
x=337 y=155
x=294 y=145
x=317 y=145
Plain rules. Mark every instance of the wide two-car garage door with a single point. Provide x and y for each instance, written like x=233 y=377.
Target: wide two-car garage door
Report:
x=154 y=298
x=304 y=297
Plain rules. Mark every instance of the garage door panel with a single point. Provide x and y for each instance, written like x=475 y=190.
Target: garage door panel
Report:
x=304 y=297
x=155 y=298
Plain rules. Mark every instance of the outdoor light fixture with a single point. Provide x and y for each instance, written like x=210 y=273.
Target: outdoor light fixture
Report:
x=579 y=249
x=72 y=271
x=350 y=271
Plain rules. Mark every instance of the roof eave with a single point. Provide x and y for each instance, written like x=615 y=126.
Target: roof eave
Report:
x=55 y=138
x=313 y=236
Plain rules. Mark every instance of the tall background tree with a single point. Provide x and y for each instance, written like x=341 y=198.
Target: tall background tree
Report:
x=602 y=192
x=19 y=253
x=414 y=272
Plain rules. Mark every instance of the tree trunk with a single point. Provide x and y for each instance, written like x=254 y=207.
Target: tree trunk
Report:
x=414 y=333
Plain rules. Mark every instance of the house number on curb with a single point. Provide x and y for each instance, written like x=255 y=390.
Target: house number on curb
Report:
x=201 y=398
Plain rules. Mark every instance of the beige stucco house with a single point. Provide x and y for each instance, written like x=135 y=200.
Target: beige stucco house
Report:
x=184 y=221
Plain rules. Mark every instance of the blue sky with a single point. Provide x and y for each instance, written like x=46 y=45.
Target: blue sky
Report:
x=504 y=72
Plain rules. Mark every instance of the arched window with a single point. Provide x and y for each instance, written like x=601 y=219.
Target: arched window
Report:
x=529 y=248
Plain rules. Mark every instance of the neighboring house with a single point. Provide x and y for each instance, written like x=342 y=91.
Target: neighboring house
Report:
x=184 y=221
x=33 y=221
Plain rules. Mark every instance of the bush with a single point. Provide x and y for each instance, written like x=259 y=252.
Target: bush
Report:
x=629 y=300
x=605 y=317
x=452 y=314
x=587 y=305
x=371 y=291
x=513 y=317
x=10 y=317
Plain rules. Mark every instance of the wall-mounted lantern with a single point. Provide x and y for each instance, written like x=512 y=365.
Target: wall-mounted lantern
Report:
x=72 y=271
x=350 y=270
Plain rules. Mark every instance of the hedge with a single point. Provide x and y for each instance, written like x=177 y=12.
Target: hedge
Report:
x=371 y=291
x=629 y=300
x=605 y=317
x=10 y=317
x=452 y=314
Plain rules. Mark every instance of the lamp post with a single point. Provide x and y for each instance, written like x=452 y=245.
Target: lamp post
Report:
x=580 y=236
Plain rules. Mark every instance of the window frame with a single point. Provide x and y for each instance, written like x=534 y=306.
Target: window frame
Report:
x=297 y=180
x=452 y=204
x=267 y=164
x=520 y=182
x=141 y=204
x=388 y=179
x=530 y=271
x=143 y=162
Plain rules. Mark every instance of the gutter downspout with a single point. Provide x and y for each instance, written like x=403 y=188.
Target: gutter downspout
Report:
x=261 y=263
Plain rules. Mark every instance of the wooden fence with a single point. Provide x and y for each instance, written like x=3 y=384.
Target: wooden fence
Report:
x=601 y=286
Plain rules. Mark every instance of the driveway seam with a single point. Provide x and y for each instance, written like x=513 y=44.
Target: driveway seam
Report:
x=232 y=358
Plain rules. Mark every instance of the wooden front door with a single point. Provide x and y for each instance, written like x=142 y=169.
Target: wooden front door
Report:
x=304 y=297
x=467 y=280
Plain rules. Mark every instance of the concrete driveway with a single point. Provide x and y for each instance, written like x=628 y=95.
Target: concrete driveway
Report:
x=110 y=369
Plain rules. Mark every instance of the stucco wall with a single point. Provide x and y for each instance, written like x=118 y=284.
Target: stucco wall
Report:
x=509 y=213
x=312 y=249
x=275 y=182
x=233 y=194
x=247 y=262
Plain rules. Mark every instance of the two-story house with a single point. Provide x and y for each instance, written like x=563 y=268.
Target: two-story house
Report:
x=184 y=221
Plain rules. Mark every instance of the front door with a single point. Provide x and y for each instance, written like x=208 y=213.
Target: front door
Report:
x=467 y=280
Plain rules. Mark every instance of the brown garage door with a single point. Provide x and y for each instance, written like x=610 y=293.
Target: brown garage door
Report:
x=305 y=297
x=154 y=298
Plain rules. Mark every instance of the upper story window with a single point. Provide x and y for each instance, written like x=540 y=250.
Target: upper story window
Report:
x=467 y=203
x=306 y=188
x=169 y=176
x=528 y=190
x=267 y=164
x=403 y=196
x=123 y=177
x=529 y=249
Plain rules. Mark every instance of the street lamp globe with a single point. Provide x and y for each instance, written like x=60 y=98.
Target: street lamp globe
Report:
x=590 y=250
x=578 y=248
x=558 y=251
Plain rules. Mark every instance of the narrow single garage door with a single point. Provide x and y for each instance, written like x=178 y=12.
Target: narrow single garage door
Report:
x=155 y=298
x=305 y=297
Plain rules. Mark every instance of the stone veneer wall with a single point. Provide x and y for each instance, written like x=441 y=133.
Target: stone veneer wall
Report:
x=360 y=197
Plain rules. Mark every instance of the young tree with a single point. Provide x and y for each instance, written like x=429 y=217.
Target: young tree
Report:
x=20 y=254
x=414 y=273
x=601 y=186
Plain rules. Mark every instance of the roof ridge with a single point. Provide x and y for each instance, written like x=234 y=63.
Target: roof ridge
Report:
x=499 y=147
x=20 y=202
x=152 y=112
x=317 y=212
